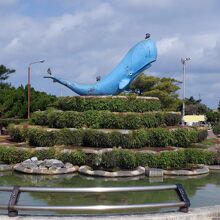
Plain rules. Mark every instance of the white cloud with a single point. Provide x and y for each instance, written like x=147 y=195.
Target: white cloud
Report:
x=80 y=43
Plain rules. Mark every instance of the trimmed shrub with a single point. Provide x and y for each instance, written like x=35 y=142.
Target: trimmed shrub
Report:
x=4 y=122
x=69 y=137
x=76 y=158
x=44 y=154
x=110 y=159
x=11 y=155
x=154 y=137
x=172 y=119
x=104 y=119
x=147 y=159
x=39 y=118
x=202 y=135
x=181 y=137
x=119 y=104
x=197 y=156
x=127 y=159
x=42 y=138
x=96 y=139
x=17 y=134
x=140 y=138
x=159 y=137
x=123 y=159
x=216 y=129
x=171 y=159
x=213 y=117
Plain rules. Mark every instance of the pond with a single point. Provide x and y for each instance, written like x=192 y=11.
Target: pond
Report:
x=202 y=191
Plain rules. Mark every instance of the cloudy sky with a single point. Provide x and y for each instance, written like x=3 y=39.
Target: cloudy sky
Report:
x=81 y=39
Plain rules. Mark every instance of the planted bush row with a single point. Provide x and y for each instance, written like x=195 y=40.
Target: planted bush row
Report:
x=117 y=158
x=216 y=129
x=154 y=137
x=104 y=119
x=4 y=122
x=213 y=117
x=114 y=104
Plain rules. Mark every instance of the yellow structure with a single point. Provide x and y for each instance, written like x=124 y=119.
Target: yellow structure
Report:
x=194 y=119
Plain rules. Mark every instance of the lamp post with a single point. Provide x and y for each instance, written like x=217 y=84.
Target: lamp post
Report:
x=29 y=84
x=183 y=61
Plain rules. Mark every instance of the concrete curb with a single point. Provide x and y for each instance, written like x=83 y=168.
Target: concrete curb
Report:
x=199 y=171
x=88 y=171
x=214 y=167
x=5 y=167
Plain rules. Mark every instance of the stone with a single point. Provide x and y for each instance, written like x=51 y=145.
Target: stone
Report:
x=47 y=167
x=153 y=172
x=27 y=161
x=29 y=165
x=42 y=167
x=53 y=168
x=68 y=165
x=39 y=162
x=53 y=162
x=34 y=159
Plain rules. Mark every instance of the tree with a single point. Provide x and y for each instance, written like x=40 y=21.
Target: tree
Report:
x=163 y=88
x=143 y=83
x=194 y=106
x=13 y=101
x=5 y=72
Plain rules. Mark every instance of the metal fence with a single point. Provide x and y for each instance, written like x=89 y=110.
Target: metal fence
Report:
x=13 y=206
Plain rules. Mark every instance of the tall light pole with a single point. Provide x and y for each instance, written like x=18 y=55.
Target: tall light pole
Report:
x=29 y=84
x=183 y=61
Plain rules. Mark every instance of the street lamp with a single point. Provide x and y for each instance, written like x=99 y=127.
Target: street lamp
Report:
x=183 y=61
x=29 y=84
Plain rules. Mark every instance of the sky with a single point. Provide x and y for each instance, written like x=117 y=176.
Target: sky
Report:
x=81 y=39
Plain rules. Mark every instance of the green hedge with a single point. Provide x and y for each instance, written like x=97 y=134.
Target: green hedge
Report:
x=117 y=158
x=12 y=155
x=4 y=122
x=114 y=104
x=216 y=129
x=153 y=137
x=104 y=119
x=17 y=134
x=213 y=117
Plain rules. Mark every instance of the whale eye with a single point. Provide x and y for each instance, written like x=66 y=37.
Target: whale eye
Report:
x=130 y=74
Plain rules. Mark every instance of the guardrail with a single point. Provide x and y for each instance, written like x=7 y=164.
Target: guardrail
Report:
x=13 y=206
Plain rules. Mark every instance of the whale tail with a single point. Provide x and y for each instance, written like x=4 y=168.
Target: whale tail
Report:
x=79 y=89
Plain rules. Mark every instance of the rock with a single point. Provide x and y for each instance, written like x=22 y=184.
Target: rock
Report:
x=39 y=162
x=68 y=165
x=153 y=172
x=30 y=165
x=53 y=162
x=54 y=168
x=34 y=159
x=42 y=167
x=27 y=161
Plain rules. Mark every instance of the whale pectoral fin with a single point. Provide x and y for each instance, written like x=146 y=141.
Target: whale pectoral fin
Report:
x=123 y=83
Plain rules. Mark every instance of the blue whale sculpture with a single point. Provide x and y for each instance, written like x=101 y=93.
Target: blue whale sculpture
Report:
x=138 y=59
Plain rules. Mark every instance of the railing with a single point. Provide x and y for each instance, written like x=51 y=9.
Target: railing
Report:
x=13 y=206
